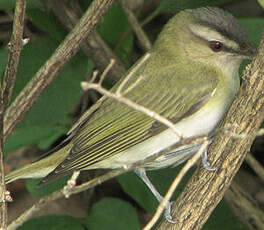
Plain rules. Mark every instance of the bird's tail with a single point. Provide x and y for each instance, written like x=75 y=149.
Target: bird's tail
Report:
x=40 y=168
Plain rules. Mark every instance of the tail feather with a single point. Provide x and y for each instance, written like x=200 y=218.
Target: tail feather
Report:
x=29 y=171
x=38 y=169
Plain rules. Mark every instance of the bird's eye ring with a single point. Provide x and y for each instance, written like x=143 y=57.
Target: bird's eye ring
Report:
x=216 y=46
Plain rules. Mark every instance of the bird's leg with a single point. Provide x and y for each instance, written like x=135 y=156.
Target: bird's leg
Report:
x=205 y=162
x=142 y=174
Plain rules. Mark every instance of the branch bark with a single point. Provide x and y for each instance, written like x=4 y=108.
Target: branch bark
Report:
x=141 y=35
x=205 y=189
x=15 y=47
x=94 y=47
x=54 y=65
x=96 y=181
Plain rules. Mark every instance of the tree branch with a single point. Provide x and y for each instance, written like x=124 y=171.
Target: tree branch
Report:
x=142 y=37
x=15 y=47
x=175 y=183
x=118 y=96
x=72 y=189
x=205 y=189
x=96 y=181
x=54 y=65
x=94 y=47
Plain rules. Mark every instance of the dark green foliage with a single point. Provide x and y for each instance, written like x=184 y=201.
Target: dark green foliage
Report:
x=112 y=214
x=50 y=116
x=52 y=222
x=10 y=4
x=40 y=191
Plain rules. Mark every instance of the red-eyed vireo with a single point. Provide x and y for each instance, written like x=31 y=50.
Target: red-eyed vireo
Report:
x=191 y=78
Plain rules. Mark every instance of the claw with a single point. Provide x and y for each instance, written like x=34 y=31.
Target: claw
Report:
x=167 y=213
x=205 y=162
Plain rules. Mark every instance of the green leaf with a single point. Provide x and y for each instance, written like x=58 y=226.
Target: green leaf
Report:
x=3 y=60
x=47 y=23
x=253 y=27
x=224 y=218
x=50 y=115
x=36 y=191
x=174 y=6
x=161 y=179
x=52 y=222
x=112 y=29
x=10 y=4
x=29 y=135
x=136 y=189
x=112 y=214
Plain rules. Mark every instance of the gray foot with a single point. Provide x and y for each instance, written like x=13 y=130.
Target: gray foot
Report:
x=167 y=212
x=205 y=162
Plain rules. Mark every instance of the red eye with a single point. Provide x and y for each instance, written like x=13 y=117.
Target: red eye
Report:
x=216 y=46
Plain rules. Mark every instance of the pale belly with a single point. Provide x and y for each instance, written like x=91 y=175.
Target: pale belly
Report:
x=202 y=123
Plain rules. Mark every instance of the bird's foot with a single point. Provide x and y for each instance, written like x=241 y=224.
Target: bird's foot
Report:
x=167 y=213
x=205 y=162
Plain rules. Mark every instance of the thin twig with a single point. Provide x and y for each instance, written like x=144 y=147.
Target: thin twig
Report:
x=142 y=37
x=54 y=65
x=139 y=164
x=131 y=74
x=97 y=181
x=119 y=97
x=15 y=47
x=133 y=105
x=68 y=13
x=41 y=203
x=134 y=84
x=258 y=133
x=206 y=189
x=175 y=183
x=3 y=207
x=106 y=71
x=34 y=208
x=71 y=183
x=95 y=74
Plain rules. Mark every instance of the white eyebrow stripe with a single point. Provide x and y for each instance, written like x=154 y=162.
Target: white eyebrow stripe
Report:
x=211 y=35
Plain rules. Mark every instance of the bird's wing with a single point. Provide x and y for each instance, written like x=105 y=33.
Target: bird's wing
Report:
x=114 y=127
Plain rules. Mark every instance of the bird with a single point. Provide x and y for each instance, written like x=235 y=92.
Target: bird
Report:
x=191 y=78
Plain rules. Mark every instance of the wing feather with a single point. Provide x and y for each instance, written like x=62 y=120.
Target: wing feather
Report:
x=113 y=128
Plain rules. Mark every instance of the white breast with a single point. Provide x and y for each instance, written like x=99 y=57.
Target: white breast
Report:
x=201 y=123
